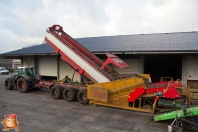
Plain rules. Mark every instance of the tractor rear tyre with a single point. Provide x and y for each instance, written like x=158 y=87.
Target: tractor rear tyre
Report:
x=56 y=92
x=70 y=94
x=82 y=97
x=8 y=84
x=22 y=85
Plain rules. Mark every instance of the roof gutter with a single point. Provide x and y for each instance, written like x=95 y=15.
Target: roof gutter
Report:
x=159 y=52
x=27 y=54
x=146 y=52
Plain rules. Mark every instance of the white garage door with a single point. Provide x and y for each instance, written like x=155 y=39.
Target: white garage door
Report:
x=48 y=66
x=192 y=70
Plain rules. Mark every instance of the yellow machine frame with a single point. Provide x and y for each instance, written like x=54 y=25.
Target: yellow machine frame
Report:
x=115 y=94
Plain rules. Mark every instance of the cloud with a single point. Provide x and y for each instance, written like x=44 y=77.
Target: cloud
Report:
x=15 y=41
x=23 y=23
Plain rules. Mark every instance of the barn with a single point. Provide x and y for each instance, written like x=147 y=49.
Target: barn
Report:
x=160 y=55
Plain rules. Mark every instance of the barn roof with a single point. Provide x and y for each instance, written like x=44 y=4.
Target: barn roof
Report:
x=159 y=42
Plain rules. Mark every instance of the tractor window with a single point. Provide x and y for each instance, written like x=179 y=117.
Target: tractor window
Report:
x=27 y=71
x=20 y=72
x=30 y=71
x=23 y=71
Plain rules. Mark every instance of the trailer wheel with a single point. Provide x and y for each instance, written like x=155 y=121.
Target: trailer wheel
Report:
x=8 y=84
x=56 y=92
x=22 y=85
x=69 y=94
x=147 y=106
x=82 y=97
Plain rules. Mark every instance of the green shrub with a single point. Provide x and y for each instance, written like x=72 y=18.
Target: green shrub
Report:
x=10 y=70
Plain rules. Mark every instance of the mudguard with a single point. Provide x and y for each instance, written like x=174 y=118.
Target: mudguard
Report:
x=12 y=82
x=38 y=77
x=26 y=77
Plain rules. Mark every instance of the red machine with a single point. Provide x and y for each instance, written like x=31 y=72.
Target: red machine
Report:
x=169 y=92
x=89 y=66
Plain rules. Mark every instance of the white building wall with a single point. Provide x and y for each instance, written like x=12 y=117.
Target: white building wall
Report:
x=66 y=70
x=134 y=66
x=16 y=63
x=28 y=61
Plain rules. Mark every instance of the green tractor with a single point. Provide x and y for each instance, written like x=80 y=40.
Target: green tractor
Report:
x=24 y=79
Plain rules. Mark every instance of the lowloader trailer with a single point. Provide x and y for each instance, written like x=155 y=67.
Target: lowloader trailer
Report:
x=105 y=86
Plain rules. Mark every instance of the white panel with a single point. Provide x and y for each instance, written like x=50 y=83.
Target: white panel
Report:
x=192 y=68
x=99 y=77
x=66 y=70
x=48 y=66
x=28 y=61
x=134 y=66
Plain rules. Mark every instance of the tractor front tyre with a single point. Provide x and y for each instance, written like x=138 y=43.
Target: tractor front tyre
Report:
x=56 y=92
x=23 y=86
x=82 y=97
x=69 y=94
x=8 y=84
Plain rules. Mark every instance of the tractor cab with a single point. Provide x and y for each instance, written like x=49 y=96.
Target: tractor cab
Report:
x=24 y=71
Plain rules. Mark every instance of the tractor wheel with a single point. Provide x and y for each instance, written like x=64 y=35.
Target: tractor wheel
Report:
x=69 y=94
x=23 y=86
x=8 y=84
x=82 y=97
x=56 y=92
x=147 y=106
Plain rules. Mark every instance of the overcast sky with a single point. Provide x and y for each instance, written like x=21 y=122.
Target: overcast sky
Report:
x=23 y=22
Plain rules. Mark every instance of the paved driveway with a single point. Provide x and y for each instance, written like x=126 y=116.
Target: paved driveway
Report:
x=38 y=112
